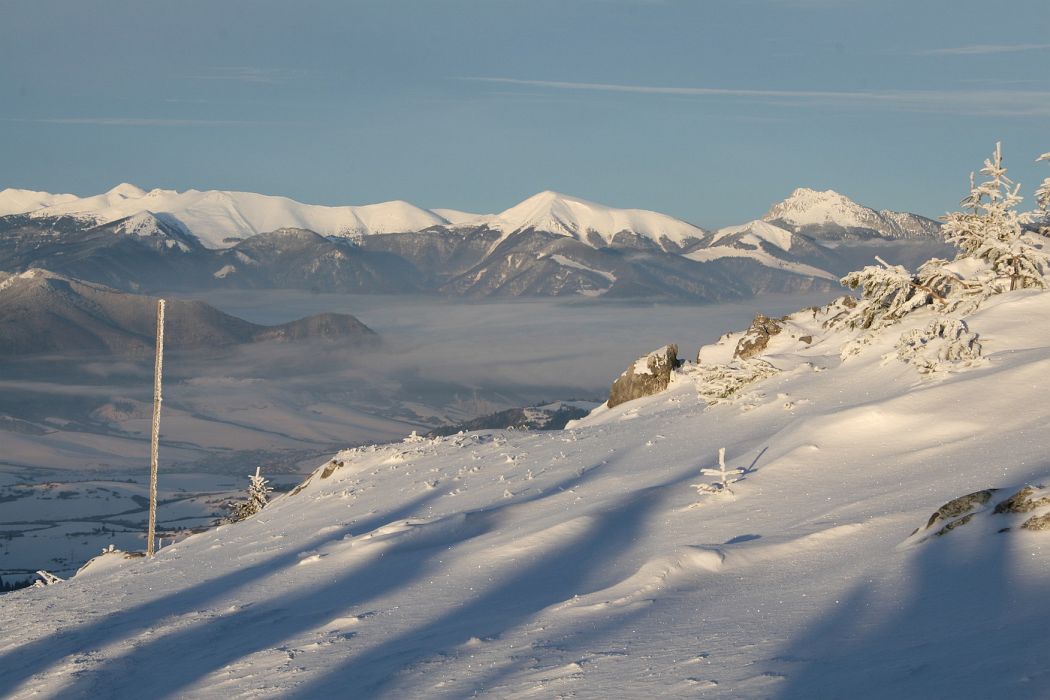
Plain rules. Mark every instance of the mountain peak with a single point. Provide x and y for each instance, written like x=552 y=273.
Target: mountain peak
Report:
x=127 y=190
x=806 y=207
x=566 y=215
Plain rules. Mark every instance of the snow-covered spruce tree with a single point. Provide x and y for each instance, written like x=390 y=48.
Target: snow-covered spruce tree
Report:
x=995 y=232
x=258 y=496
x=1042 y=199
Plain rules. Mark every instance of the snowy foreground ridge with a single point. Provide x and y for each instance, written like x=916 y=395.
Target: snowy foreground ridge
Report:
x=584 y=563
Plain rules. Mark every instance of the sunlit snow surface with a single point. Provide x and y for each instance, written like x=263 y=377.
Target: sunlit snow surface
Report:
x=581 y=563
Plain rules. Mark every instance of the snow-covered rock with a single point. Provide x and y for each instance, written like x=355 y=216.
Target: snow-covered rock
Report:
x=648 y=375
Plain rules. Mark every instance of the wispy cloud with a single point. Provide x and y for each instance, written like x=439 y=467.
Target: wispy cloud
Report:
x=248 y=74
x=139 y=121
x=972 y=102
x=982 y=49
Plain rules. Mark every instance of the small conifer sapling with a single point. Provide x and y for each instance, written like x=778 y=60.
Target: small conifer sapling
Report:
x=725 y=476
x=258 y=497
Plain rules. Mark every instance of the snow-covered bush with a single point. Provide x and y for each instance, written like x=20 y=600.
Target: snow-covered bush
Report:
x=945 y=344
x=258 y=496
x=719 y=383
x=46 y=579
x=888 y=293
x=953 y=290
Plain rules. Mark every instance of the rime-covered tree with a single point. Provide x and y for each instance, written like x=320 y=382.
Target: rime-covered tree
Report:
x=1042 y=199
x=995 y=232
x=258 y=497
x=888 y=293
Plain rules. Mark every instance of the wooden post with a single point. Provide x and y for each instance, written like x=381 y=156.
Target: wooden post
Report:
x=157 y=371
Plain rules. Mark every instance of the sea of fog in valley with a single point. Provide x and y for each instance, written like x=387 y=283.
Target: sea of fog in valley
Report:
x=76 y=430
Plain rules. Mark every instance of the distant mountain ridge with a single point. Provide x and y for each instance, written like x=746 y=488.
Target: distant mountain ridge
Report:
x=44 y=312
x=551 y=244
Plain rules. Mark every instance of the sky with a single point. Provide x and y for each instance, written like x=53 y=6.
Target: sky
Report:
x=707 y=110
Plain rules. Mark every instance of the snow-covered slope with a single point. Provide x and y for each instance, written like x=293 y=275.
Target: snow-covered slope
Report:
x=809 y=209
x=767 y=244
x=216 y=215
x=755 y=233
x=14 y=201
x=584 y=563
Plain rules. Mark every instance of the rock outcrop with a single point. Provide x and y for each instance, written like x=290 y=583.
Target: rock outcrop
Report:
x=648 y=375
x=756 y=338
x=962 y=510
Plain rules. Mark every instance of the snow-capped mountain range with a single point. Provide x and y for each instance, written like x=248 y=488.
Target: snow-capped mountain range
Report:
x=549 y=244
x=219 y=218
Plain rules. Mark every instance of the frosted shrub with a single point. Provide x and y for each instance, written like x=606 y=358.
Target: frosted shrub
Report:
x=46 y=579
x=888 y=293
x=719 y=383
x=953 y=290
x=945 y=344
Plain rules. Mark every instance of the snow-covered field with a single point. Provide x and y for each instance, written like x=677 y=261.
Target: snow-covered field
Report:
x=584 y=563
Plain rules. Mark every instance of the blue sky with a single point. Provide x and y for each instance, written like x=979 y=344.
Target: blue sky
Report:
x=710 y=111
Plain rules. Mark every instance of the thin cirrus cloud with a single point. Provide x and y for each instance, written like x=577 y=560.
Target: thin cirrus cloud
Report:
x=969 y=102
x=247 y=74
x=139 y=121
x=982 y=49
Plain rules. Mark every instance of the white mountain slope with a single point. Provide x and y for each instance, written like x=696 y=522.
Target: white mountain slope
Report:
x=583 y=563
x=753 y=241
x=216 y=215
x=565 y=215
x=756 y=232
x=13 y=201
x=806 y=208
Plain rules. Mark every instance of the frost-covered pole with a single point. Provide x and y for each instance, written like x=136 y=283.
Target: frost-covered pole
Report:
x=157 y=371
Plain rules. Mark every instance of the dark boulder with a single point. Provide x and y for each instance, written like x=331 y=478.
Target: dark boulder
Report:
x=756 y=338
x=646 y=376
